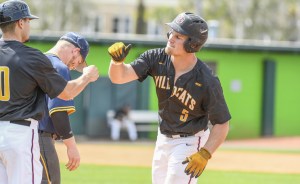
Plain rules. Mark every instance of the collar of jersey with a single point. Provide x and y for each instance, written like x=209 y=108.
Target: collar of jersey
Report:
x=49 y=53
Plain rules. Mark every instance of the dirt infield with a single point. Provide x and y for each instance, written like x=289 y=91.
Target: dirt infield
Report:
x=272 y=155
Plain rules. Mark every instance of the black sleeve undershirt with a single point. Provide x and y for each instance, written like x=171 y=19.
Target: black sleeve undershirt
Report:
x=61 y=124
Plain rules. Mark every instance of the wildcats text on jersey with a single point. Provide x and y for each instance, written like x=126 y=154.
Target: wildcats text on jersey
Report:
x=185 y=97
x=162 y=82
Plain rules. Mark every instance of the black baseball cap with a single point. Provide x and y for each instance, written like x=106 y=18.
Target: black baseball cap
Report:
x=14 y=10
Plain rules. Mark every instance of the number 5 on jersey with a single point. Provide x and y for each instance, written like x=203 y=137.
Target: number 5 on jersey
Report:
x=4 y=83
x=184 y=115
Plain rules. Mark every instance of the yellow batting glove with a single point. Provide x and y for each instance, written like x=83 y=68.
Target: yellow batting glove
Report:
x=197 y=162
x=118 y=51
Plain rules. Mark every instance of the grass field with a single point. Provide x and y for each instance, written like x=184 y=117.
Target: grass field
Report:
x=258 y=161
x=97 y=174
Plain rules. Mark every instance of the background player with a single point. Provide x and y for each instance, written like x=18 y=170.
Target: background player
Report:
x=188 y=95
x=120 y=120
x=69 y=53
x=26 y=75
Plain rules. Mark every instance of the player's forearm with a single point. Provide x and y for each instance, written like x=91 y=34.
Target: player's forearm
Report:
x=121 y=73
x=217 y=136
x=74 y=87
x=73 y=154
x=70 y=142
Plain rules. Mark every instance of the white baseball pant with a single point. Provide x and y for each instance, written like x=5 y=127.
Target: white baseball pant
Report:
x=19 y=154
x=167 y=167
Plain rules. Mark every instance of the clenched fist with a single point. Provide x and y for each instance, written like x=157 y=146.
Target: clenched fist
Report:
x=197 y=162
x=119 y=51
x=91 y=72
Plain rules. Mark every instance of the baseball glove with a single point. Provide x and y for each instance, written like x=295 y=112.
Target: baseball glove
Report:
x=197 y=163
x=118 y=51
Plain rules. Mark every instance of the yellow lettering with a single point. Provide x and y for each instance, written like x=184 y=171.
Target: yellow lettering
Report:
x=187 y=99
x=182 y=96
x=178 y=91
x=168 y=83
x=156 y=80
x=174 y=91
x=163 y=82
x=160 y=84
x=184 y=116
x=192 y=105
x=5 y=92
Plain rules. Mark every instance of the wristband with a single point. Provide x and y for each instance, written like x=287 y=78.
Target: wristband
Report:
x=205 y=153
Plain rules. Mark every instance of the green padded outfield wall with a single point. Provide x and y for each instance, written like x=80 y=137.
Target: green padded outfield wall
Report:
x=287 y=103
x=241 y=75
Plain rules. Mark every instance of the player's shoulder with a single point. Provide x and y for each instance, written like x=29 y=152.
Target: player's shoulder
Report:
x=27 y=49
x=56 y=62
x=59 y=66
x=206 y=73
x=31 y=54
x=203 y=68
x=156 y=55
x=155 y=52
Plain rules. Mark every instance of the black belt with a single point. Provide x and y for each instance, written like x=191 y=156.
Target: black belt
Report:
x=21 y=122
x=47 y=134
x=183 y=135
x=180 y=135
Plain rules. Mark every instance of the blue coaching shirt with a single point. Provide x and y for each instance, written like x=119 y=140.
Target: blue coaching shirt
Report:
x=56 y=104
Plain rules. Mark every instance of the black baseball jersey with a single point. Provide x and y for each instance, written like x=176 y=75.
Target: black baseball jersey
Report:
x=26 y=75
x=186 y=106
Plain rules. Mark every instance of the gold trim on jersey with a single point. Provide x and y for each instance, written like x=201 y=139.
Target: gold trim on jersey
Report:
x=69 y=109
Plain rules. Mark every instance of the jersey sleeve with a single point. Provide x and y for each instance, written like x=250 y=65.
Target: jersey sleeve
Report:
x=57 y=104
x=218 y=111
x=144 y=63
x=41 y=69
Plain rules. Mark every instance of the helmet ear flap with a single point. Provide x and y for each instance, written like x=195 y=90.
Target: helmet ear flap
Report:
x=168 y=34
x=192 y=45
x=187 y=45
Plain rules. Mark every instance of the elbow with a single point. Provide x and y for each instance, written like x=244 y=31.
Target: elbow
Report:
x=223 y=127
x=226 y=127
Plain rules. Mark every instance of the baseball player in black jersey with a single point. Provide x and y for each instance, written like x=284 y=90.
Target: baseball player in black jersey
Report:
x=26 y=75
x=189 y=96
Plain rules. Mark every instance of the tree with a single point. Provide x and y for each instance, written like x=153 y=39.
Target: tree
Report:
x=140 y=23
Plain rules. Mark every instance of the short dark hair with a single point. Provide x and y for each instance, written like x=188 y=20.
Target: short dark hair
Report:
x=8 y=27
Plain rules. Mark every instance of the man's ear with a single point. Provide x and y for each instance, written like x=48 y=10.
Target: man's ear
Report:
x=75 y=49
x=78 y=50
x=20 y=23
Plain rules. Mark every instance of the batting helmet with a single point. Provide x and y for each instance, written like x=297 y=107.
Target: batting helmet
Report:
x=192 y=26
x=13 y=10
